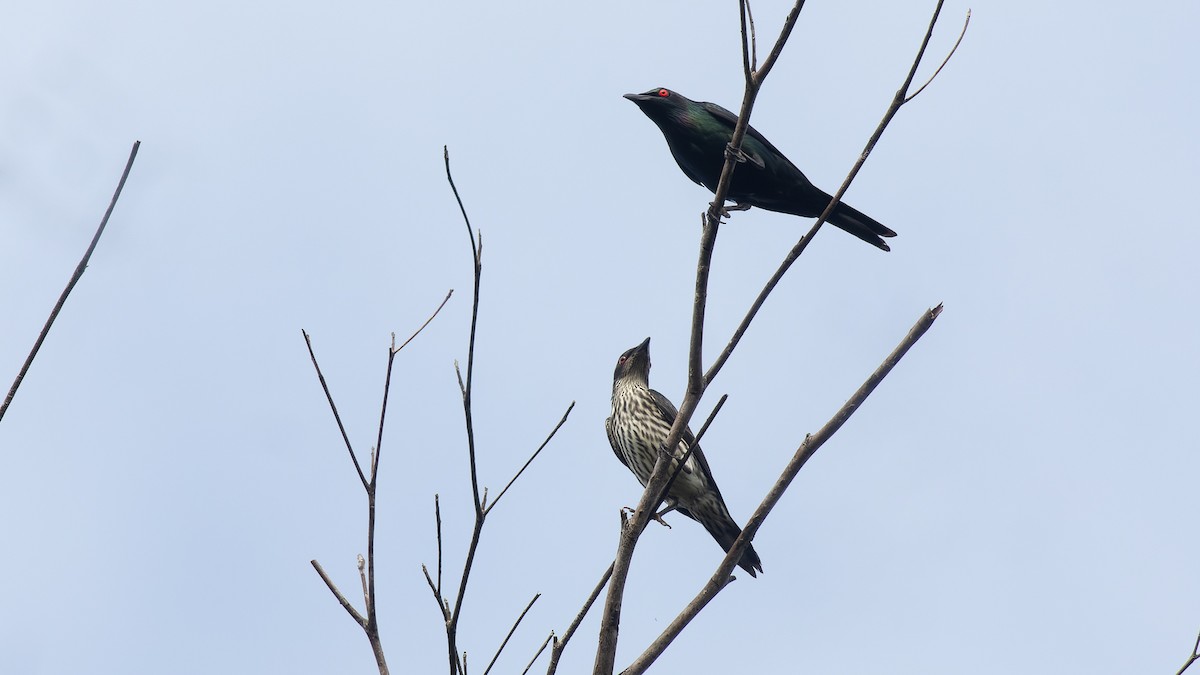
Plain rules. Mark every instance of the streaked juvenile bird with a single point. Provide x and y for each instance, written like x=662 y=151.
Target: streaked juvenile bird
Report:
x=640 y=421
x=698 y=133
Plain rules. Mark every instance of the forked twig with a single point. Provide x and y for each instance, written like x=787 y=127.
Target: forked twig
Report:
x=898 y=100
x=811 y=444
x=366 y=566
x=531 y=458
x=453 y=611
x=698 y=381
x=961 y=35
x=1193 y=658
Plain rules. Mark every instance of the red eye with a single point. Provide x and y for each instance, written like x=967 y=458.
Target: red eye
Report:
x=663 y=93
x=621 y=360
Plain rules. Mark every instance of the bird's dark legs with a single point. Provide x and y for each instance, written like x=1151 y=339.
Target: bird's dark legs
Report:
x=656 y=517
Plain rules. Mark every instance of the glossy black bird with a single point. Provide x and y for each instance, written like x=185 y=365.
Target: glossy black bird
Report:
x=640 y=421
x=698 y=133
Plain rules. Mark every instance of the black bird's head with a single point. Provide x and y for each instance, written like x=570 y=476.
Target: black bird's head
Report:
x=634 y=363
x=661 y=103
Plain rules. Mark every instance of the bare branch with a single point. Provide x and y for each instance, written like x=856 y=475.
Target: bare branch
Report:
x=75 y=277
x=332 y=406
x=510 y=634
x=753 y=37
x=789 y=23
x=811 y=444
x=366 y=566
x=437 y=514
x=531 y=458
x=463 y=209
x=477 y=256
x=560 y=645
x=437 y=595
x=358 y=618
x=1191 y=659
x=897 y=101
x=749 y=58
x=539 y=653
x=946 y=60
x=362 y=575
x=427 y=321
x=610 y=619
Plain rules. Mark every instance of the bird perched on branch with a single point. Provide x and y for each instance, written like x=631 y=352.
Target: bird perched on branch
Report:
x=698 y=134
x=640 y=421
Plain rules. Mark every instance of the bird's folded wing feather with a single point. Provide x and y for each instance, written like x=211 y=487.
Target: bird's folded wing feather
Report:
x=612 y=441
x=668 y=413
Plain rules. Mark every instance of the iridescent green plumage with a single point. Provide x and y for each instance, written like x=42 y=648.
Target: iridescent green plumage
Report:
x=698 y=133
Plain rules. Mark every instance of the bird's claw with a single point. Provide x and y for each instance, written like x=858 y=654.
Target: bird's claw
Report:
x=737 y=154
x=658 y=517
x=629 y=511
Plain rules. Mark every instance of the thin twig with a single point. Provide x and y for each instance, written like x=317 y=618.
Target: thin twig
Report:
x=427 y=321
x=362 y=576
x=539 y=652
x=531 y=458
x=437 y=595
x=366 y=567
x=748 y=62
x=358 y=618
x=477 y=256
x=333 y=406
x=560 y=645
x=946 y=60
x=898 y=100
x=510 y=634
x=811 y=444
x=437 y=514
x=1191 y=659
x=75 y=277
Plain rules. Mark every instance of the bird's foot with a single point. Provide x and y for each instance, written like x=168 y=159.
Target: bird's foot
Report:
x=658 y=517
x=737 y=155
x=723 y=213
x=628 y=512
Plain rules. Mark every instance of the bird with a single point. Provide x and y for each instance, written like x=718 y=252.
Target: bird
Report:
x=639 y=423
x=698 y=134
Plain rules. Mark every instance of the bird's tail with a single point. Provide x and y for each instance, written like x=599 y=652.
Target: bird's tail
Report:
x=861 y=225
x=725 y=531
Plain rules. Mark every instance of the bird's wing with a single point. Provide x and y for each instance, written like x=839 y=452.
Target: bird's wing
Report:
x=668 y=412
x=730 y=120
x=612 y=441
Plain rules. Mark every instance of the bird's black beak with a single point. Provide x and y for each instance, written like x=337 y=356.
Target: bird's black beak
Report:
x=644 y=348
x=636 y=98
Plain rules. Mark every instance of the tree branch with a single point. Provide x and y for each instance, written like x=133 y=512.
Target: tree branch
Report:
x=539 y=653
x=75 y=277
x=510 y=634
x=531 y=458
x=897 y=101
x=1191 y=659
x=482 y=508
x=807 y=449
x=560 y=645
x=610 y=619
x=366 y=567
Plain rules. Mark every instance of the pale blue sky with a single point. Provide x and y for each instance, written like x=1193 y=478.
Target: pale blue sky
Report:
x=1018 y=497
